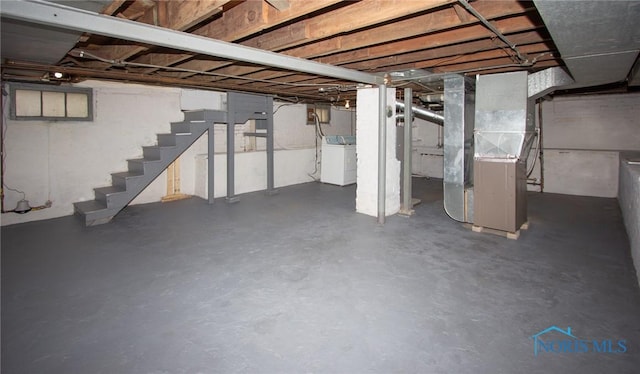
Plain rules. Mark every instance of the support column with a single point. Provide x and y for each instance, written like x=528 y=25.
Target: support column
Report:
x=211 y=151
x=378 y=169
x=382 y=154
x=407 y=205
x=231 y=150
x=270 y=148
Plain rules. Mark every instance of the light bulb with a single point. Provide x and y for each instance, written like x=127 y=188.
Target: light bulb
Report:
x=346 y=104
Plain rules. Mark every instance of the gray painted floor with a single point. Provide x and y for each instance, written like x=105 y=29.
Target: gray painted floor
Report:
x=300 y=283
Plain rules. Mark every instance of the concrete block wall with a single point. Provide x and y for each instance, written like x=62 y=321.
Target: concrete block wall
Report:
x=64 y=161
x=629 y=199
x=583 y=135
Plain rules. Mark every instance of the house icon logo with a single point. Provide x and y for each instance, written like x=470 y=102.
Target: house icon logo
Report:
x=537 y=340
x=569 y=343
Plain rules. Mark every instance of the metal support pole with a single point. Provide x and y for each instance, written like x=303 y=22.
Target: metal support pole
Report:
x=382 y=152
x=407 y=205
x=270 y=148
x=231 y=149
x=210 y=163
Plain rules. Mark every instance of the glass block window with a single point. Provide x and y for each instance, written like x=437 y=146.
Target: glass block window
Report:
x=53 y=103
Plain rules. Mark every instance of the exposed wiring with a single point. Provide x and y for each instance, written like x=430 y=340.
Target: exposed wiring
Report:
x=318 y=134
x=85 y=54
x=533 y=164
x=4 y=149
x=283 y=105
x=493 y=29
x=3 y=117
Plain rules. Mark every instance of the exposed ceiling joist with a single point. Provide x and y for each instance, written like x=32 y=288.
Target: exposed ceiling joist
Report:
x=279 y=4
x=364 y=39
x=70 y=18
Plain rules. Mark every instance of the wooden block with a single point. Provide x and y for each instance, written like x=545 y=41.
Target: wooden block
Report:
x=504 y=234
x=175 y=197
x=513 y=235
x=525 y=226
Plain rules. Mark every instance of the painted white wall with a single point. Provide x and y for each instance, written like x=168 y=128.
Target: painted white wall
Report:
x=584 y=173
x=64 y=161
x=367 y=155
x=291 y=167
x=582 y=138
x=427 y=153
x=594 y=122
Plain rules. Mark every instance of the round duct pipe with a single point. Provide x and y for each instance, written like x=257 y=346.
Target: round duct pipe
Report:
x=424 y=114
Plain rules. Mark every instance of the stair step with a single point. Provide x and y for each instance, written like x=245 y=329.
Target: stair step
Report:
x=88 y=206
x=94 y=212
x=206 y=115
x=165 y=140
x=120 y=179
x=110 y=190
x=112 y=195
x=174 y=140
x=180 y=127
x=142 y=165
x=155 y=152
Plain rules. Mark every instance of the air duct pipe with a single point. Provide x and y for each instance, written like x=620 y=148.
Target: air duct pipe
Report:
x=459 y=109
x=423 y=113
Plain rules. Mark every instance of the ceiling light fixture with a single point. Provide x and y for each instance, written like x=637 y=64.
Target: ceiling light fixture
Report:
x=346 y=104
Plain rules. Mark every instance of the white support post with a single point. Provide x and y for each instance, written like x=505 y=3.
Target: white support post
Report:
x=368 y=115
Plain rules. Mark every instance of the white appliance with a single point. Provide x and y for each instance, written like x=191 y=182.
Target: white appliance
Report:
x=338 y=160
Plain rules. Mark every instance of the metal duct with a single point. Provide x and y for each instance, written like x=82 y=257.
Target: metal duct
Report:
x=547 y=81
x=599 y=41
x=423 y=113
x=459 y=99
x=504 y=126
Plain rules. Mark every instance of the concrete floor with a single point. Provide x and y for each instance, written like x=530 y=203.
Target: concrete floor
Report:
x=300 y=283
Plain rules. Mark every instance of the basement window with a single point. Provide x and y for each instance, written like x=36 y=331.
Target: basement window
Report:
x=323 y=111
x=50 y=103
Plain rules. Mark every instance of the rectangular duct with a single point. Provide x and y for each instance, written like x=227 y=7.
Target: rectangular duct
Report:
x=504 y=116
x=459 y=98
x=546 y=81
